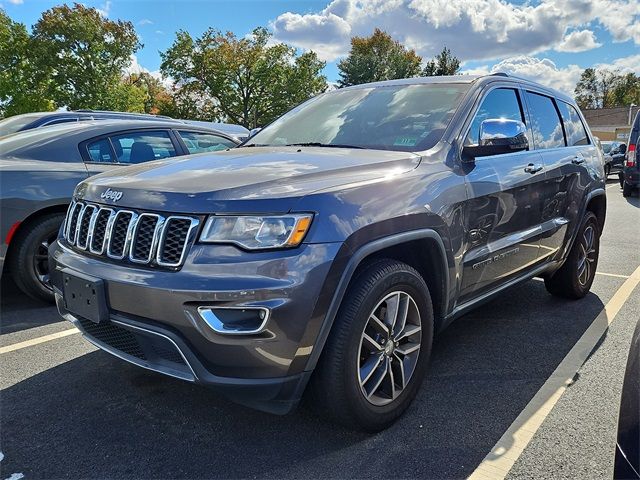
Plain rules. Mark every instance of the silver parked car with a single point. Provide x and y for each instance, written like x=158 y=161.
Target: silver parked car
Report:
x=39 y=169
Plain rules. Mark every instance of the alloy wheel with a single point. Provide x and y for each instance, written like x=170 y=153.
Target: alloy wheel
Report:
x=587 y=256
x=389 y=348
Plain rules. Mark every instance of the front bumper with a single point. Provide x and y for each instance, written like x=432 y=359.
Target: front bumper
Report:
x=154 y=321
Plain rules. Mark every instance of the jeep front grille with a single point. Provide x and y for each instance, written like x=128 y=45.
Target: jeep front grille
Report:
x=138 y=237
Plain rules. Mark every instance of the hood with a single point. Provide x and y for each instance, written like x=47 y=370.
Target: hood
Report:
x=232 y=180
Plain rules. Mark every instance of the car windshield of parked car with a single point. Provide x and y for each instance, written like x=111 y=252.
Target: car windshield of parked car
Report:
x=606 y=147
x=36 y=143
x=394 y=117
x=13 y=124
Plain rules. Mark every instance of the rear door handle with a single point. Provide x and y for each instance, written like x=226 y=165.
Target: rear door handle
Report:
x=577 y=160
x=533 y=168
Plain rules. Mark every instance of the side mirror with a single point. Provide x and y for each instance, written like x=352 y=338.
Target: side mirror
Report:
x=253 y=131
x=498 y=136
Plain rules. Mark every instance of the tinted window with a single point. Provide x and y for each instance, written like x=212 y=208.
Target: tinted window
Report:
x=100 y=151
x=141 y=147
x=499 y=103
x=395 y=117
x=59 y=120
x=574 y=128
x=198 y=142
x=14 y=124
x=547 y=129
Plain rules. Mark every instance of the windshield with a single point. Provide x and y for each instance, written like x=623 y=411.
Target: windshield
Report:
x=13 y=124
x=606 y=147
x=400 y=117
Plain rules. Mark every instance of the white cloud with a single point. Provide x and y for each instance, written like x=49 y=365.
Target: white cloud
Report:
x=629 y=64
x=104 y=9
x=145 y=21
x=541 y=70
x=135 y=67
x=578 y=41
x=16 y=2
x=472 y=29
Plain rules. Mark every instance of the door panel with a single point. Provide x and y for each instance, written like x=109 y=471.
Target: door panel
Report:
x=503 y=213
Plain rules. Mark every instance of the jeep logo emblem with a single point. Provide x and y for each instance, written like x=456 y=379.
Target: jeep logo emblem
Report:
x=109 y=194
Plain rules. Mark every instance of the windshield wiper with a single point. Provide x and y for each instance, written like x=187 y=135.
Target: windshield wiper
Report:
x=318 y=144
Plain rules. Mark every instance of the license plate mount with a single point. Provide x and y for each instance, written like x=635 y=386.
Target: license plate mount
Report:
x=84 y=296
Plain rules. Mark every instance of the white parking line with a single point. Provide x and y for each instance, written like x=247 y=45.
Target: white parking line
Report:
x=612 y=275
x=36 y=341
x=505 y=453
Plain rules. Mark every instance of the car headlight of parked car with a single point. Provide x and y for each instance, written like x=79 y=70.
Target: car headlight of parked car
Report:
x=257 y=232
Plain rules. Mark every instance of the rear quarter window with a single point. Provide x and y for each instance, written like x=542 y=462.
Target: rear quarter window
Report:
x=574 y=128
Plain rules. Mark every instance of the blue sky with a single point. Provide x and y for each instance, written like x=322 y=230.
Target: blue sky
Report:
x=548 y=40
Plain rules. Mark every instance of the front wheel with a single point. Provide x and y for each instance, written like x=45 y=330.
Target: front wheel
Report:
x=626 y=190
x=573 y=280
x=376 y=355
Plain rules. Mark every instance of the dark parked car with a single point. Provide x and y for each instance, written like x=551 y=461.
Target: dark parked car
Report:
x=613 y=156
x=627 y=460
x=28 y=121
x=40 y=168
x=630 y=175
x=325 y=253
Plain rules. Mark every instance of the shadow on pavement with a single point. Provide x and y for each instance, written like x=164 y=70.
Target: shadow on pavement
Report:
x=98 y=417
x=20 y=312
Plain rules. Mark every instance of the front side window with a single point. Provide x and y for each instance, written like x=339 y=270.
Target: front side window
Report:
x=546 y=125
x=574 y=128
x=100 y=151
x=501 y=103
x=200 y=142
x=139 y=147
x=394 y=117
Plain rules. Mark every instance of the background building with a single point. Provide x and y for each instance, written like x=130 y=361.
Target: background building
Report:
x=610 y=123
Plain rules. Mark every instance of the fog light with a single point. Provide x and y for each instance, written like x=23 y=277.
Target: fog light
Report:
x=235 y=320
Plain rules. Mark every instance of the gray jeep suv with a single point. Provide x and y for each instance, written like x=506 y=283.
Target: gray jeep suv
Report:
x=324 y=254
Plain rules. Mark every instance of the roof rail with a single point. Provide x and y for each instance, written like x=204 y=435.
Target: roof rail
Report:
x=89 y=110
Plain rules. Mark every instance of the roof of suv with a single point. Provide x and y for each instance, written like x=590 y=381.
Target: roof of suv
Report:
x=468 y=79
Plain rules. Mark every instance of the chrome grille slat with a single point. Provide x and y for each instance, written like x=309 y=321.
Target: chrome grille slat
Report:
x=142 y=238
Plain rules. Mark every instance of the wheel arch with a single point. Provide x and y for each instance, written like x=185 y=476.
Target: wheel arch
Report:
x=430 y=260
x=28 y=221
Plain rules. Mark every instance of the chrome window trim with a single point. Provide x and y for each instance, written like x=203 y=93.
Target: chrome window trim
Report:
x=154 y=238
x=106 y=231
x=189 y=238
x=127 y=238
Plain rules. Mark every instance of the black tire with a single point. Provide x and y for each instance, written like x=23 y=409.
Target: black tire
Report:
x=335 y=389
x=627 y=190
x=27 y=260
x=571 y=280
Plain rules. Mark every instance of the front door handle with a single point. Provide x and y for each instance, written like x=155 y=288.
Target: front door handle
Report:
x=577 y=160
x=533 y=168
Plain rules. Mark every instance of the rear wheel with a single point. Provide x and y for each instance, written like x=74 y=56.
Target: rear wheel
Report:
x=627 y=190
x=377 y=353
x=29 y=259
x=573 y=280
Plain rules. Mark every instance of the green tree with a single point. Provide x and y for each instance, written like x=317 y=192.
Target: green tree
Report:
x=241 y=80
x=626 y=91
x=375 y=58
x=83 y=54
x=604 y=88
x=445 y=63
x=151 y=88
x=587 y=90
x=22 y=86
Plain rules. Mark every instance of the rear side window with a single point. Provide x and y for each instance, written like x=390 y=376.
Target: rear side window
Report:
x=545 y=122
x=199 y=142
x=139 y=147
x=499 y=103
x=100 y=151
x=573 y=126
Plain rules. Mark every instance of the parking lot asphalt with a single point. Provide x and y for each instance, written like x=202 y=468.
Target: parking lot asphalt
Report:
x=71 y=411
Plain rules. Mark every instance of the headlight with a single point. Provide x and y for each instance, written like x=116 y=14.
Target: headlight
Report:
x=257 y=232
